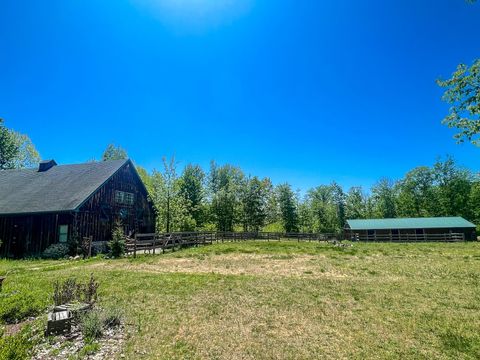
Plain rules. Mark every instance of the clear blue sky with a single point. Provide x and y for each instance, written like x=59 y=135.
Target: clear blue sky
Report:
x=301 y=91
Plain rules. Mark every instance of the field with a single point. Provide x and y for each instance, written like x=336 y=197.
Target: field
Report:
x=283 y=300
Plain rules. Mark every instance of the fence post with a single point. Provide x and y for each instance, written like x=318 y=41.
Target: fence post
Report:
x=90 y=239
x=135 y=246
x=154 y=243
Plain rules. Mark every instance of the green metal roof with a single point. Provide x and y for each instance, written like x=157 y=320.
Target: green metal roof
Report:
x=410 y=223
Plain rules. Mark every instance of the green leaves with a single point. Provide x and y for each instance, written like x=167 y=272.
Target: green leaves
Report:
x=113 y=152
x=463 y=94
x=16 y=150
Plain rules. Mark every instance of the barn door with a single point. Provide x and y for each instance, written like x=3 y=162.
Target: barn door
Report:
x=17 y=243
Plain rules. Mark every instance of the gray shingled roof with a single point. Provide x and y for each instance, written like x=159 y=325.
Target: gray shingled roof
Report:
x=61 y=188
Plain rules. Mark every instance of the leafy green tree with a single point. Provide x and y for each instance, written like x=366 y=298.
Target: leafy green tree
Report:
x=305 y=217
x=462 y=92
x=113 y=152
x=192 y=189
x=384 y=199
x=172 y=207
x=146 y=178
x=453 y=189
x=16 y=150
x=8 y=148
x=324 y=209
x=224 y=185
x=474 y=202
x=287 y=207
x=254 y=202
x=339 y=201
x=416 y=195
x=356 y=204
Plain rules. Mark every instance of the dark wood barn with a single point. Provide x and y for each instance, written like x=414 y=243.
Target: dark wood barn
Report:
x=411 y=229
x=53 y=203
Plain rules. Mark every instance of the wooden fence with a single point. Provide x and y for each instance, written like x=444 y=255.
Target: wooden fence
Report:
x=152 y=243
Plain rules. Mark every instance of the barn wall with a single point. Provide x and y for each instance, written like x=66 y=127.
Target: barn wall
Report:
x=98 y=215
x=30 y=234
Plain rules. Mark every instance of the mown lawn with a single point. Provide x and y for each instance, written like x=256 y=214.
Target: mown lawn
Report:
x=281 y=300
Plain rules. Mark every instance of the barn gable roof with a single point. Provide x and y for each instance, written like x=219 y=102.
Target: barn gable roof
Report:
x=60 y=188
x=410 y=223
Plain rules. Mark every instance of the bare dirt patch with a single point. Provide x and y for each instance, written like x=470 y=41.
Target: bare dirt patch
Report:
x=241 y=264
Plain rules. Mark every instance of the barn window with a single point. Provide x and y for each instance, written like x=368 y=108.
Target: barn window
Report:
x=125 y=198
x=63 y=233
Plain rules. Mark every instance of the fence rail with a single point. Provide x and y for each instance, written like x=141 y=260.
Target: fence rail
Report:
x=152 y=243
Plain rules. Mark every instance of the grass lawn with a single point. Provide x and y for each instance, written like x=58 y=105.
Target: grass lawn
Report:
x=282 y=300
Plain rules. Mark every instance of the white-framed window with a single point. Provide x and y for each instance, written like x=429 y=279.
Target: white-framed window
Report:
x=63 y=233
x=124 y=198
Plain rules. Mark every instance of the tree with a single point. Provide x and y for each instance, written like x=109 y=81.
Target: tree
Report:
x=113 y=152
x=383 y=197
x=356 y=204
x=171 y=206
x=146 y=178
x=453 y=189
x=191 y=185
x=339 y=200
x=16 y=150
x=288 y=207
x=324 y=209
x=224 y=185
x=254 y=201
x=305 y=217
x=463 y=94
x=8 y=148
x=416 y=195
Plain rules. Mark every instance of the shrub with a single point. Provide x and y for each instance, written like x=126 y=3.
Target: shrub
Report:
x=18 y=306
x=117 y=244
x=18 y=346
x=112 y=316
x=91 y=325
x=70 y=290
x=56 y=251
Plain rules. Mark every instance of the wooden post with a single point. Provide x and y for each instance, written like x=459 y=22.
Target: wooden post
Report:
x=154 y=243
x=90 y=246
x=135 y=246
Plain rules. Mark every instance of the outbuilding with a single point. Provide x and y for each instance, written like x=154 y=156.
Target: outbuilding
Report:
x=411 y=229
x=55 y=203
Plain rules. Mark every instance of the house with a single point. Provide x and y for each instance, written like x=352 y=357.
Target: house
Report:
x=411 y=229
x=55 y=203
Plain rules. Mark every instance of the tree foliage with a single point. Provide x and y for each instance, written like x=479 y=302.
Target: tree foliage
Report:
x=225 y=200
x=113 y=152
x=16 y=150
x=462 y=92
x=288 y=208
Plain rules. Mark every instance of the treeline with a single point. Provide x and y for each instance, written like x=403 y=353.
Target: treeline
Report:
x=224 y=198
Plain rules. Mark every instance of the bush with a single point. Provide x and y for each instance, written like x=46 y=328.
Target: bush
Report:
x=18 y=346
x=91 y=325
x=70 y=290
x=117 y=244
x=17 y=307
x=56 y=251
x=112 y=317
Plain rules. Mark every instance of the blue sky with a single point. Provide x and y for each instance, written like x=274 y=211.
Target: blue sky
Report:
x=301 y=91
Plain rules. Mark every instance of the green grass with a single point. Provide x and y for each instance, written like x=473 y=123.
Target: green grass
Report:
x=286 y=300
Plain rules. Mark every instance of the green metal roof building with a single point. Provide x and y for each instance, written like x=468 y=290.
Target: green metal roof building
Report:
x=411 y=229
